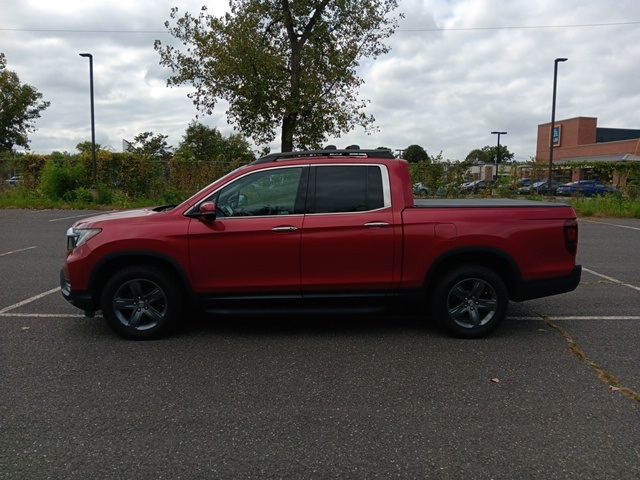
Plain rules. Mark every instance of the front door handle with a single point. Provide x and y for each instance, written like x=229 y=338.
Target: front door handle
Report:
x=376 y=224
x=288 y=228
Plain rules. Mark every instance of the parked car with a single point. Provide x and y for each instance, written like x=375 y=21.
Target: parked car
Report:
x=524 y=190
x=340 y=229
x=420 y=188
x=522 y=183
x=586 y=188
x=477 y=185
x=13 y=181
x=540 y=188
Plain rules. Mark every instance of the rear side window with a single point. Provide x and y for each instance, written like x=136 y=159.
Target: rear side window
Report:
x=340 y=189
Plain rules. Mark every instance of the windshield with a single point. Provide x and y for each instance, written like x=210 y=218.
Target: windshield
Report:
x=218 y=180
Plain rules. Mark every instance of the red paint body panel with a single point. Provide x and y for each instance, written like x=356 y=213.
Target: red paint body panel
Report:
x=532 y=237
x=340 y=253
x=325 y=252
x=136 y=231
x=239 y=254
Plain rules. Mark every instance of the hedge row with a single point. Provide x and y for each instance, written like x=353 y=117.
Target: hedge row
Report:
x=61 y=176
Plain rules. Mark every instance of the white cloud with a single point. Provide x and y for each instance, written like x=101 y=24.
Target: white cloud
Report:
x=446 y=90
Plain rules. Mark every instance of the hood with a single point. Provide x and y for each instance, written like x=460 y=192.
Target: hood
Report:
x=114 y=216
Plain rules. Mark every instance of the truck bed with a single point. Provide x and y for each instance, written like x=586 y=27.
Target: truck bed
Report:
x=483 y=203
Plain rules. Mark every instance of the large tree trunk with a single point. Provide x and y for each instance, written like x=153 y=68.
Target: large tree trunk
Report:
x=290 y=118
x=288 y=127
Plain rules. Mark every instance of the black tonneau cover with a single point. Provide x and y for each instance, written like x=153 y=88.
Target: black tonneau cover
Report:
x=483 y=203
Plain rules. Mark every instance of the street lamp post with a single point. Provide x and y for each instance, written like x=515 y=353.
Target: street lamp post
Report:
x=93 y=122
x=495 y=177
x=553 y=116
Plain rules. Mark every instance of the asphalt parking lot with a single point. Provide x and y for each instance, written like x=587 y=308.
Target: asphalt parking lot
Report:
x=552 y=394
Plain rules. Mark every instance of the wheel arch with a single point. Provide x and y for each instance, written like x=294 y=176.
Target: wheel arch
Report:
x=112 y=263
x=496 y=260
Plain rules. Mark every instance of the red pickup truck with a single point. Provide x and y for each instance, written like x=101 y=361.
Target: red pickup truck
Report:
x=319 y=231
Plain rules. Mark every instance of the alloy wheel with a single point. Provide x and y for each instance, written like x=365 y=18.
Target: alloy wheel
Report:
x=140 y=304
x=472 y=303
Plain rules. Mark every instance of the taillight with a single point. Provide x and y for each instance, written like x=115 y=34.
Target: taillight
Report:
x=571 y=236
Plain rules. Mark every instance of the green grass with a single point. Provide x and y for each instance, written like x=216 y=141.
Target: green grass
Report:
x=23 y=198
x=607 y=206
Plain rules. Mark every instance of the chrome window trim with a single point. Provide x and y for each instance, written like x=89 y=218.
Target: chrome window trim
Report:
x=240 y=217
x=196 y=207
x=386 y=186
x=359 y=212
x=384 y=173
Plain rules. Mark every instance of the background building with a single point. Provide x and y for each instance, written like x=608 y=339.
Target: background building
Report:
x=580 y=140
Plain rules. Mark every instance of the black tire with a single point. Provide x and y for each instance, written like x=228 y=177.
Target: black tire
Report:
x=141 y=302
x=469 y=301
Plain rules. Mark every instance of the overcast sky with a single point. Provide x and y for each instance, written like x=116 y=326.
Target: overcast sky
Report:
x=458 y=69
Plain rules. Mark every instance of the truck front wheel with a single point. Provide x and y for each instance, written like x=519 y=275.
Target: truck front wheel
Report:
x=141 y=302
x=469 y=301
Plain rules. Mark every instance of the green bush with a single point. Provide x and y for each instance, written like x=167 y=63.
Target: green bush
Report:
x=61 y=176
x=83 y=195
x=105 y=195
x=607 y=206
x=173 y=196
x=633 y=192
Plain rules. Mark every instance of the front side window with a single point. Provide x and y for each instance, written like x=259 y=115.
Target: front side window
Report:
x=269 y=192
x=341 y=189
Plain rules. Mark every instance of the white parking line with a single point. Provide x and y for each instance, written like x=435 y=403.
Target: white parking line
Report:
x=517 y=318
x=29 y=300
x=16 y=251
x=611 y=279
x=582 y=317
x=69 y=218
x=43 y=315
x=611 y=224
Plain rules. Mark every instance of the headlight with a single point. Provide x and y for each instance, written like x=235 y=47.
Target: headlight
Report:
x=80 y=236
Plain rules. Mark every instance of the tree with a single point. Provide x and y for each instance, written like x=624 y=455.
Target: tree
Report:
x=203 y=143
x=281 y=63
x=415 y=154
x=146 y=143
x=488 y=154
x=83 y=147
x=20 y=106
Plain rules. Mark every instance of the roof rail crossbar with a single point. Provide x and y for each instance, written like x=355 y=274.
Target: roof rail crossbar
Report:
x=275 y=157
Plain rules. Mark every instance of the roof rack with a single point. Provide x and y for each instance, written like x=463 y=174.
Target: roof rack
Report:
x=275 y=157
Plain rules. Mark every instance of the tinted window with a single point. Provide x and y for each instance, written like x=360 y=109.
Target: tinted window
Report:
x=347 y=189
x=269 y=192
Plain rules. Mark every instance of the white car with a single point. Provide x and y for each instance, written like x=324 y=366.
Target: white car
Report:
x=419 y=188
x=13 y=181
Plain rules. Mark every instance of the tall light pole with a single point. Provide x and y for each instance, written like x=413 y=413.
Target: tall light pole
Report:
x=495 y=177
x=93 y=121
x=553 y=116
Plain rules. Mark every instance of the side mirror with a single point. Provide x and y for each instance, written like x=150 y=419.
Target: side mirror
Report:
x=208 y=211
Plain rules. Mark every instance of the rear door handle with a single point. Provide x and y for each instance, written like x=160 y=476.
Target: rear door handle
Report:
x=288 y=228
x=376 y=224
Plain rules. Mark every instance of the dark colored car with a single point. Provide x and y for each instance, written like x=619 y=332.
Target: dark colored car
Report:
x=476 y=186
x=522 y=186
x=585 y=188
x=540 y=188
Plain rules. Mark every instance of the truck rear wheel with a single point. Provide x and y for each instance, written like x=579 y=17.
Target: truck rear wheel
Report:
x=141 y=302
x=469 y=301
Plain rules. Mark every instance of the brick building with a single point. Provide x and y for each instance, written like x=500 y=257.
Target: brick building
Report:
x=581 y=140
